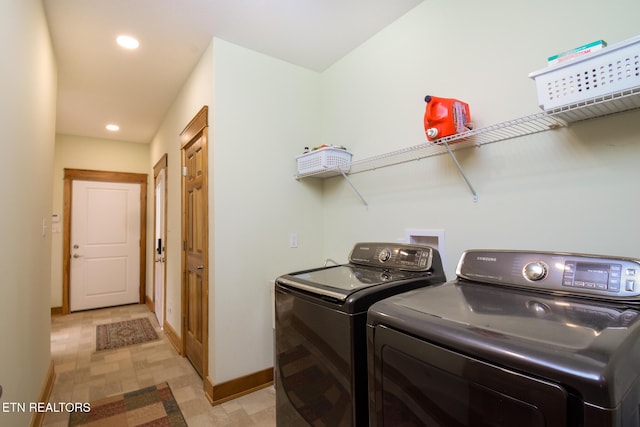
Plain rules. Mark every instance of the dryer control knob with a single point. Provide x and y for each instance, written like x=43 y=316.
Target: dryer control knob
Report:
x=384 y=255
x=535 y=271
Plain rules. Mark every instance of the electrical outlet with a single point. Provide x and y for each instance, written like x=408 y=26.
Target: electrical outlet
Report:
x=293 y=240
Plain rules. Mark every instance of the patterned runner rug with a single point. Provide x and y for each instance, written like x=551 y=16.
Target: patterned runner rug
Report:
x=128 y=332
x=150 y=406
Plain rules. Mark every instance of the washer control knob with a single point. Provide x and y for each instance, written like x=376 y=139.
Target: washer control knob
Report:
x=384 y=255
x=535 y=271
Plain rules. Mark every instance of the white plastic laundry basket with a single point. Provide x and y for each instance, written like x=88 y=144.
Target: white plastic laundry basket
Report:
x=324 y=162
x=611 y=69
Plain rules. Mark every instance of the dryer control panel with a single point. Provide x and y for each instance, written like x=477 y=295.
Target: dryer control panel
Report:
x=393 y=256
x=595 y=276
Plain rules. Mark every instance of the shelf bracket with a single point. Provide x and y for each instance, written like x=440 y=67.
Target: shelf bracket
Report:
x=453 y=157
x=355 y=190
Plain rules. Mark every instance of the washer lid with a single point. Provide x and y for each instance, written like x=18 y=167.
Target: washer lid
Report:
x=509 y=315
x=340 y=281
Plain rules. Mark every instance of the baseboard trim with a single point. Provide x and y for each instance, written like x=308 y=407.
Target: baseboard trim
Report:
x=173 y=337
x=38 y=417
x=207 y=384
x=150 y=304
x=56 y=311
x=220 y=393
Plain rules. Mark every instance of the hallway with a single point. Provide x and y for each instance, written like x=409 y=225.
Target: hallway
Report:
x=84 y=375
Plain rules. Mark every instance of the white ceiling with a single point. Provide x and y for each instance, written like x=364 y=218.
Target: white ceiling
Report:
x=99 y=82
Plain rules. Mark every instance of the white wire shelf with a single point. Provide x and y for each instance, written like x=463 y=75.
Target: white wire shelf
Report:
x=612 y=103
x=511 y=129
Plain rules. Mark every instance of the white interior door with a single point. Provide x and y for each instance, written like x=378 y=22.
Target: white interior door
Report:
x=105 y=244
x=159 y=248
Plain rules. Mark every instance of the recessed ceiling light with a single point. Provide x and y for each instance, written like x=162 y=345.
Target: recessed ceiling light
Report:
x=127 y=42
x=112 y=127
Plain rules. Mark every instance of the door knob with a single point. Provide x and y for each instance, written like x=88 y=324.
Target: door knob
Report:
x=200 y=267
x=76 y=256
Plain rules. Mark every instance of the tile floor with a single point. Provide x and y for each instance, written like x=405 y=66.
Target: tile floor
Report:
x=83 y=375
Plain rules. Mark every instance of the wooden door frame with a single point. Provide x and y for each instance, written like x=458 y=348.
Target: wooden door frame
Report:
x=71 y=175
x=197 y=127
x=157 y=168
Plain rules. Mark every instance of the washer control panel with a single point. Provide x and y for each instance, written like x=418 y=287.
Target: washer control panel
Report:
x=596 y=276
x=393 y=256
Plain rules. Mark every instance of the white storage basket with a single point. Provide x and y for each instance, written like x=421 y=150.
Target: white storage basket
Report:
x=612 y=69
x=324 y=162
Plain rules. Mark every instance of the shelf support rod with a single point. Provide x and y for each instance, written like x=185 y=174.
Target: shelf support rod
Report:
x=453 y=157
x=354 y=188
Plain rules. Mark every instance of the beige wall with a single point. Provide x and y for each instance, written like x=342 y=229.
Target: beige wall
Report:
x=27 y=121
x=74 y=152
x=260 y=115
x=573 y=189
x=265 y=113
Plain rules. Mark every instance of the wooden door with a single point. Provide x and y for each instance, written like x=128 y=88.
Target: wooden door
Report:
x=195 y=243
x=105 y=244
x=160 y=232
